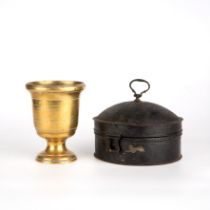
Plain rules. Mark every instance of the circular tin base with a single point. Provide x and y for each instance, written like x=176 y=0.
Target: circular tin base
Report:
x=139 y=164
x=138 y=151
x=67 y=157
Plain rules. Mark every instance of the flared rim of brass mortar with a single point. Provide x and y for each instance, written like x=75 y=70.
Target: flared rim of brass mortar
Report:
x=55 y=86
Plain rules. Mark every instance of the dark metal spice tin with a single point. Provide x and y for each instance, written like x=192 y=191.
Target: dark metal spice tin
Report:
x=138 y=133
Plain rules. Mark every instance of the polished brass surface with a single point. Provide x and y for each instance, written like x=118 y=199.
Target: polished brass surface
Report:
x=55 y=112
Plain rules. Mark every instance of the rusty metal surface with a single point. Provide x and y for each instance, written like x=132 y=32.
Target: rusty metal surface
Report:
x=138 y=133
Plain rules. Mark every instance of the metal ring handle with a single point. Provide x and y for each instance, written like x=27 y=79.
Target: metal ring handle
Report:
x=139 y=95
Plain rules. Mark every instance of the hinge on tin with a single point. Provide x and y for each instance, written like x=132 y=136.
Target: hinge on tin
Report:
x=114 y=144
x=134 y=149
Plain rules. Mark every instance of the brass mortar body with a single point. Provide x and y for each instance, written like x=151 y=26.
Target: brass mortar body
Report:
x=55 y=113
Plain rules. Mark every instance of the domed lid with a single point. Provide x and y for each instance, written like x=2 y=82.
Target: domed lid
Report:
x=137 y=113
x=148 y=119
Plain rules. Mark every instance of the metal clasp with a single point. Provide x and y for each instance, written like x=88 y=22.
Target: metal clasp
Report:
x=114 y=144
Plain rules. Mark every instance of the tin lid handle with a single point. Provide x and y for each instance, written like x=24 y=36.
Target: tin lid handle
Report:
x=139 y=95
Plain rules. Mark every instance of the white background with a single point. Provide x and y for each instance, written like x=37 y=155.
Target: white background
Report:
x=105 y=44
